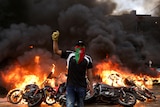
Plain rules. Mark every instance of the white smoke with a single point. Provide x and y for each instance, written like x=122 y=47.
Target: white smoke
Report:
x=141 y=6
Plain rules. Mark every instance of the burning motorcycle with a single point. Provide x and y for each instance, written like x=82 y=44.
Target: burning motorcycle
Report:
x=42 y=94
x=112 y=95
x=141 y=93
x=15 y=96
x=32 y=94
x=48 y=94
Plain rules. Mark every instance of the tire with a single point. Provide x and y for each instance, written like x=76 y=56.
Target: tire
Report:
x=14 y=96
x=89 y=98
x=50 y=101
x=36 y=100
x=129 y=100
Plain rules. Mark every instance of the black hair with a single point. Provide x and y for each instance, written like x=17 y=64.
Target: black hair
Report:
x=80 y=43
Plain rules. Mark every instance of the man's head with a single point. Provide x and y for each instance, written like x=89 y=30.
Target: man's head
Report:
x=79 y=51
x=80 y=45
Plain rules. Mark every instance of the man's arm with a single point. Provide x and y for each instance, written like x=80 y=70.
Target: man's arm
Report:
x=56 y=49
x=90 y=78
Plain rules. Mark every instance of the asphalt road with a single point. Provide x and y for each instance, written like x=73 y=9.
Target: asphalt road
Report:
x=156 y=90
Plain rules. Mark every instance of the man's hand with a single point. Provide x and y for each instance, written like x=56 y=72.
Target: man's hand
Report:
x=55 y=35
x=91 y=90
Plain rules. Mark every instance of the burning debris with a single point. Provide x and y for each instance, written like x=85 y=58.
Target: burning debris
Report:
x=113 y=74
x=27 y=70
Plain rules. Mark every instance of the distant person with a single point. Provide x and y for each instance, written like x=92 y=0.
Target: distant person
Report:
x=79 y=64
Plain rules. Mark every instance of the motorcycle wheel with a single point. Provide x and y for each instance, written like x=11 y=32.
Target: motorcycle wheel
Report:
x=14 y=96
x=89 y=98
x=36 y=100
x=50 y=101
x=127 y=100
x=62 y=100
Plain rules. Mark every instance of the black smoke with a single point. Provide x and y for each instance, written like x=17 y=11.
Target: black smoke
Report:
x=27 y=23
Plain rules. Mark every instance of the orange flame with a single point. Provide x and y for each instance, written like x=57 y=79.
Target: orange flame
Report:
x=53 y=69
x=113 y=74
x=18 y=76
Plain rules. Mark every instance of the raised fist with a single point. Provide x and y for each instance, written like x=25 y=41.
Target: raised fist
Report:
x=55 y=35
